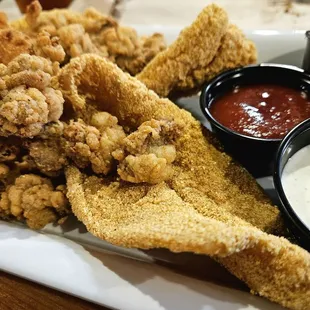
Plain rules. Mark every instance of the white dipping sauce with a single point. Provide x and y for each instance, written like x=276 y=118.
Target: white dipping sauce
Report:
x=296 y=183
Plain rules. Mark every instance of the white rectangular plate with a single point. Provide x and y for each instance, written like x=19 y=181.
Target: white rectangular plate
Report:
x=69 y=259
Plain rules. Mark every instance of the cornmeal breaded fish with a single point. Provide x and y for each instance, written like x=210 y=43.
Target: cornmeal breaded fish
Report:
x=201 y=51
x=210 y=206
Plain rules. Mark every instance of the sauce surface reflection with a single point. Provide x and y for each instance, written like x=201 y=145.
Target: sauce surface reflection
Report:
x=262 y=111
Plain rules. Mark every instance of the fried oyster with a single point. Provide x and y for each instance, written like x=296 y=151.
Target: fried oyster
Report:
x=89 y=32
x=95 y=143
x=34 y=199
x=27 y=99
x=148 y=153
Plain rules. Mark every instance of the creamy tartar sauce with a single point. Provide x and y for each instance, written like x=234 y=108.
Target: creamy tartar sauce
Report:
x=296 y=183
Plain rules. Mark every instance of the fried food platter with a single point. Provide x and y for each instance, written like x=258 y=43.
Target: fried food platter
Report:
x=88 y=132
x=82 y=252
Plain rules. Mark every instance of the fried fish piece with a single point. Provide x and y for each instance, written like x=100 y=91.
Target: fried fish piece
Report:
x=235 y=51
x=199 y=164
x=201 y=51
x=158 y=217
x=211 y=205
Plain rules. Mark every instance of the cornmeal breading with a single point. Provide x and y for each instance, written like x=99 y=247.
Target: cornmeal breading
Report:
x=140 y=171
x=211 y=205
x=201 y=51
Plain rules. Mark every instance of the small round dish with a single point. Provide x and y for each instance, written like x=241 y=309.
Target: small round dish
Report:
x=294 y=141
x=255 y=154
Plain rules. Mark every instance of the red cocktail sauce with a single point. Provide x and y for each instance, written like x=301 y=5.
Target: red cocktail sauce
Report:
x=262 y=111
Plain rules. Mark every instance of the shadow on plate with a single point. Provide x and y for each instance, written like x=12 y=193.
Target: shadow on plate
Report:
x=218 y=291
x=72 y=223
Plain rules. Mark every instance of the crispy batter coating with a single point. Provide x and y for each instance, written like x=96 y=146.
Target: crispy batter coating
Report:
x=89 y=32
x=13 y=43
x=147 y=49
x=23 y=111
x=127 y=50
x=235 y=51
x=76 y=41
x=151 y=217
x=27 y=62
x=194 y=49
x=35 y=200
x=120 y=40
x=36 y=20
x=49 y=47
x=27 y=102
x=87 y=144
x=147 y=168
x=149 y=153
x=210 y=206
x=53 y=130
x=194 y=59
x=133 y=104
x=55 y=101
x=33 y=13
x=47 y=156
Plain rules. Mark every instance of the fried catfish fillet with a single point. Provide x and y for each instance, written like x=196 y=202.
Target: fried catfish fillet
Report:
x=210 y=206
x=201 y=51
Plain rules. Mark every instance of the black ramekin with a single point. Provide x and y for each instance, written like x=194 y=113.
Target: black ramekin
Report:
x=255 y=154
x=295 y=140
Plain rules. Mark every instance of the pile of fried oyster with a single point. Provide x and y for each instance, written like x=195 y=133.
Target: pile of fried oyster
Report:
x=40 y=136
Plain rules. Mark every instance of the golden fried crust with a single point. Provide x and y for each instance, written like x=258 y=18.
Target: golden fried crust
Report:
x=87 y=32
x=146 y=216
x=276 y=269
x=3 y=20
x=27 y=102
x=199 y=164
x=235 y=51
x=13 y=43
x=35 y=200
x=211 y=205
x=157 y=217
x=37 y=20
x=193 y=50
